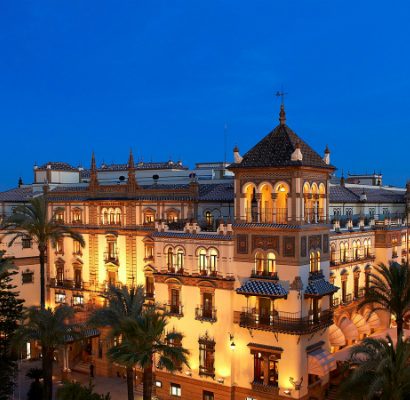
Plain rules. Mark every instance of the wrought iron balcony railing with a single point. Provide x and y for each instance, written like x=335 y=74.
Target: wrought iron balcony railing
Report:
x=205 y=314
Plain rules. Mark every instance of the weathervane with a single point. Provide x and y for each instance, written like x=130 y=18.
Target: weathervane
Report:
x=281 y=94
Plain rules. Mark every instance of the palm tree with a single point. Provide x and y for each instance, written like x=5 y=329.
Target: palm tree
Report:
x=122 y=303
x=50 y=329
x=31 y=220
x=145 y=339
x=380 y=371
x=389 y=290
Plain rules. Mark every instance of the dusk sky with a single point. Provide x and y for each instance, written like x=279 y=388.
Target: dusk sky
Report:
x=163 y=77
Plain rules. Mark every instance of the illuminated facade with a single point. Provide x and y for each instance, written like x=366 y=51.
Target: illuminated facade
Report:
x=260 y=265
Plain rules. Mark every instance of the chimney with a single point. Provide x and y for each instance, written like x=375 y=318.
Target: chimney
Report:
x=297 y=154
x=236 y=156
x=326 y=158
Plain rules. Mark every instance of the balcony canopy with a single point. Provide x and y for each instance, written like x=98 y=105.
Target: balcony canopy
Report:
x=319 y=287
x=262 y=288
x=320 y=362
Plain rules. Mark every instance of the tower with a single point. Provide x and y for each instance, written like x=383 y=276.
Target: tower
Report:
x=282 y=257
x=93 y=184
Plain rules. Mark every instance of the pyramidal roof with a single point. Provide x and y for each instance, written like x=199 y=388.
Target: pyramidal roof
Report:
x=277 y=147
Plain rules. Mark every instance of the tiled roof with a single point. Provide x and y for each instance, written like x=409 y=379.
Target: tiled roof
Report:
x=17 y=194
x=262 y=288
x=375 y=194
x=82 y=334
x=275 y=150
x=183 y=235
x=58 y=165
x=216 y=192
x=380 y=195
x=143 y=166
x=319 y=287
x=342 y=194
x=264 y=225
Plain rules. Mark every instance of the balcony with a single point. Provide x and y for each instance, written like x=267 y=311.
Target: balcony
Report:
x=314 y=216
x=267 y=216
x=265 y=275
x=175 y=269
x=174 y=310
x=336 y=261
x=265 y=388
x=208 y=272
x=67 y=284
x=111 y=257
x=205 y=314
x=285 y=322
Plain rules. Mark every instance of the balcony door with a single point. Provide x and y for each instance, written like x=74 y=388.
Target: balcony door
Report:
x=264 y=310
x=207 y=305
x=174 y=301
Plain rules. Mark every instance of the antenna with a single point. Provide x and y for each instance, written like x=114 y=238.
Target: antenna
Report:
x=225 y=140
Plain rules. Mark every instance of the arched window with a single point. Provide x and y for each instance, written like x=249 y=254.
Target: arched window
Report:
x=355 y=250
x=180 y=259
x=118 y=216
x=149 y=217
x=170 y=259
x=60 y=274
x=202 y=264
x=270 y=263
x=105 y=219
x=281 y=204
x=76 y=216
x=209 y=218
x=333 y=253
x=266 y=203
x=259 y=261
x=343 y=250
x=213 y=261
x=314 y=261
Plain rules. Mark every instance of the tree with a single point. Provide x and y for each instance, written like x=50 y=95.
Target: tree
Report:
x=50 y=329
x=145 y=340
x=389 y=291
x=11 y=309
x=76 y=391
x=36 y=387
x=380 y=371
x=31 y=220
x=122 y=303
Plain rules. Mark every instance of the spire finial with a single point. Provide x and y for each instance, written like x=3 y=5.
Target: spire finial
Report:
x=93 y=164
x=131 y=160
x=282 y=115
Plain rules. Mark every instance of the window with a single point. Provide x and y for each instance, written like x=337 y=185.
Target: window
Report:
x=175 y=305
x=207 y=395
x=213 y=259
x=27 y=276
x=343 y=251
x=149 y=287
x=356 y=284
x=77 y=248
x=149 y=217
x=180 y=260
x=260 y=362
x=100 y=348
x=60 y=274
x=206 y=356
x=209 y=218
x=176 y=390
x=112 y=277
x=76 y=216
x=59 y=215
x=177 y=343
x=60 y=298
x=372 y=211
x=158 y=384
x=265 y=264
x=336 y=212
x=314 y=261
x=202 y=260
x=367 y=281
x=170 y=259
x=207 y=306
x=78 y=280
x=149 y=251
x=59 y=246
x=26 y=243
x=78 y=300
x=344 y=289
x=349 y=212
x=111 y=254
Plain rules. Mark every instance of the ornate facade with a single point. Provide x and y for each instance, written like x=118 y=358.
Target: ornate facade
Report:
x=261 y=267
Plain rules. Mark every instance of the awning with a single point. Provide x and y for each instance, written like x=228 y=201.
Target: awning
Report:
x=336 y=336
x=362 y=326
x=349 y=329
x=320 y=362
x=262 y=288
x=81 y=334
x=319 y=288
x=373 y=320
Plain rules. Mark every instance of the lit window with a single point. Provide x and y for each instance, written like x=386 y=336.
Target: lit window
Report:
x=176 y=390
x=60 y=298
x=213 y=260
x=158 y=384
x=76 y=247
x=202 y=260
x=180 y=259
x=78 y=300
x=206 y=356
